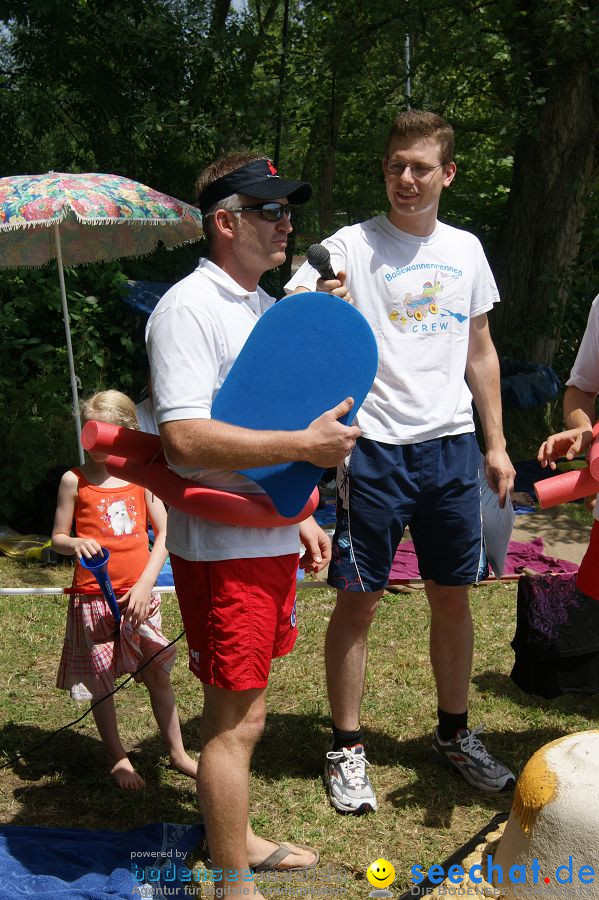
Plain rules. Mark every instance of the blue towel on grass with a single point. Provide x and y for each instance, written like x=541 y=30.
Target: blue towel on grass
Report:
x=73 y=864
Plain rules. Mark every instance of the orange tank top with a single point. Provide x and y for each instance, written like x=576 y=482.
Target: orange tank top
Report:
x=118 y=519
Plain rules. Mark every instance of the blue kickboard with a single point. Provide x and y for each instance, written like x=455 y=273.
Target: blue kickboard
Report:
x=304 y=356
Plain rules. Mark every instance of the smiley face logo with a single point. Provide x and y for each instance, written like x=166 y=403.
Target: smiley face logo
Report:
x=380 y=873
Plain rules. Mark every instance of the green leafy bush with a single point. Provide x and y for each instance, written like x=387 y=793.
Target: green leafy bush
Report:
x=38 y=430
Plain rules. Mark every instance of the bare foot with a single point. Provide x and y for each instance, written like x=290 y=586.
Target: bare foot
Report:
x=125 y=775
x=184 y=764
x=260 y=849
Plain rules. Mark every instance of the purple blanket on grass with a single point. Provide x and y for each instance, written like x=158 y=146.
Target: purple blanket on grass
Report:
x=521 y=555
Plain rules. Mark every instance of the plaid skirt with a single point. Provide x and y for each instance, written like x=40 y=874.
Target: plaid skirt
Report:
x=92 y=658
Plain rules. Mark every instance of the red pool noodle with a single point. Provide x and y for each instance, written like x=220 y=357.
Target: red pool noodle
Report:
x=594 y=453
x=137 y=456
x=125 y=442
x=564 y=488
x=247 y=510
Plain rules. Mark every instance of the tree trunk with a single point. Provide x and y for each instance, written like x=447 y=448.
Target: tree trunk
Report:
x=220 y=11
x=554 y=165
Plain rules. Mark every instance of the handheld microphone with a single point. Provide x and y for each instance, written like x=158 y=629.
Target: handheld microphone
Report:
x=320 y=259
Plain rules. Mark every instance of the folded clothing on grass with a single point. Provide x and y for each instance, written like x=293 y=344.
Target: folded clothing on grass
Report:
x=521 y=556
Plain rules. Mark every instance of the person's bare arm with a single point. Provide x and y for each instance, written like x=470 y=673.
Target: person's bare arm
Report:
x=482 y=375
x=217 y=445
x=579 y=415
x=317 y=544
x=139 y=596
x=62 y=541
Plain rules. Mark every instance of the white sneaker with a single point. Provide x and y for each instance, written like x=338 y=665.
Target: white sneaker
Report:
x=349 y=787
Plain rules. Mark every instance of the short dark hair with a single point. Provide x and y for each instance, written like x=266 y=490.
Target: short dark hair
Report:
x=417 y=123
x=224 y=165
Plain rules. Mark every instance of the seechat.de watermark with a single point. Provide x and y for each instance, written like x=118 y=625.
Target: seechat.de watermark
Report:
x=529 y=882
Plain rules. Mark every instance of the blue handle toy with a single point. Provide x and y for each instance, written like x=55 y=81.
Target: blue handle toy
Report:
x=98 y=566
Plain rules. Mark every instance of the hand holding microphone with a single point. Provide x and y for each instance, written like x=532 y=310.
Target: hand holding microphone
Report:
x=320 y=259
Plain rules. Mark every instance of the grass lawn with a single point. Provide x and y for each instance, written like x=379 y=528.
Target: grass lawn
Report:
x=425 y=812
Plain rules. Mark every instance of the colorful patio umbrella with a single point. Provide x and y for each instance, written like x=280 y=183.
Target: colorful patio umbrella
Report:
x=51 y=216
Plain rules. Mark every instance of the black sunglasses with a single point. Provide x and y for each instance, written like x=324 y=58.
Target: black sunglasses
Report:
x=272 y=212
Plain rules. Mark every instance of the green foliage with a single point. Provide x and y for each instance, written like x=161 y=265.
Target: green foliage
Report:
x=155 y=89
x=38 y=430
x=582 y=280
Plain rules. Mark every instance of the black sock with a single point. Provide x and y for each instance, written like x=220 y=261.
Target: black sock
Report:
x=346 y=738
x=450 y=724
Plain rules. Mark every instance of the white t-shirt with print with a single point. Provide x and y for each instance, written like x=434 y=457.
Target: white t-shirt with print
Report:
x=419 y=295
x=193 y=337
x=585 y=371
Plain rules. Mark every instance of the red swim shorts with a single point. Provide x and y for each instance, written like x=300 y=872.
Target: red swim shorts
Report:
x=239 y=614
x=587 y=579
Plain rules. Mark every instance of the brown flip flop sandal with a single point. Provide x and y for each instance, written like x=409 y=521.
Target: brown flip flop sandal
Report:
x=271 y=863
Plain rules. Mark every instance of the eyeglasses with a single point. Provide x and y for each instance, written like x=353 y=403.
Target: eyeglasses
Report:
x=272 y=212
x=417 y=171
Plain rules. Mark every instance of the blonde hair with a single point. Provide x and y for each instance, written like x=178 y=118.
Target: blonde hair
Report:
x=110 y=406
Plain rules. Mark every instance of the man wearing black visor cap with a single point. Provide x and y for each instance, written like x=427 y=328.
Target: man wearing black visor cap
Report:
x=258 y=179
x=235 y=586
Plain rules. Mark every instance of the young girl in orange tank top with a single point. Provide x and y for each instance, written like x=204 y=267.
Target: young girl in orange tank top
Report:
x=112 y=513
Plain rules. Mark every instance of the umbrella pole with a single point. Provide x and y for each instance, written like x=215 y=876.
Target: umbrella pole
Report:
x=65 y=315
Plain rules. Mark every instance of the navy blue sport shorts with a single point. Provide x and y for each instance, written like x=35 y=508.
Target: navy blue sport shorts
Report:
x=433 y=487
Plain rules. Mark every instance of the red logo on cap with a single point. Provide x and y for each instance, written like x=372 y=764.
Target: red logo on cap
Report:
x=271 y=168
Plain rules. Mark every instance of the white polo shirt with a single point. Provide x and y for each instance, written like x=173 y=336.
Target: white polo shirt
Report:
x=193 y=337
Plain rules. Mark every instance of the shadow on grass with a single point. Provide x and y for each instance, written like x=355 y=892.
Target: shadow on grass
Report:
x=500 y=685
x=438 y=791
x=36 y=574
x=294 y=747
x=66 y=784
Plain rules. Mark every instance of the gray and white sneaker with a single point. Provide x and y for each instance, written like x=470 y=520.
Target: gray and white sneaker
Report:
x=349 y=787
x=469 y=756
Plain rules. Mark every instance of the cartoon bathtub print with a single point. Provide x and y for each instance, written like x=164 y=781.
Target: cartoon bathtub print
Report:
x=427 y=301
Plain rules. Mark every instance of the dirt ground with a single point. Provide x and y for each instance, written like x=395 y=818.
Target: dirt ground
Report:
x=562 y=536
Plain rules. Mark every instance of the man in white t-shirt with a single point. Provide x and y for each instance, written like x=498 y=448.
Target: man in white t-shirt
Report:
x=235 y=585
x=425 y=289
x=579 y=416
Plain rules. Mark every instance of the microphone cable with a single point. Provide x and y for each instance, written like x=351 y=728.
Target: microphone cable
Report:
x=29 y=750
